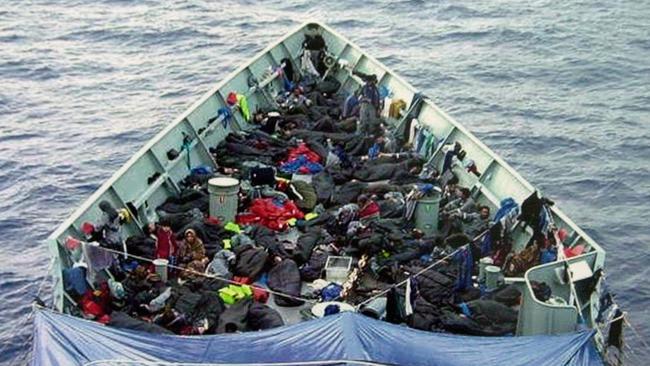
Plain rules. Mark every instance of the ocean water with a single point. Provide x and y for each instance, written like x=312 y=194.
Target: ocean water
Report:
x=560 y=89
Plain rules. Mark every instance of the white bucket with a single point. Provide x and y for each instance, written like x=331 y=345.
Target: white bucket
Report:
x=482 y=263
x=223 y=198
x=161 y=268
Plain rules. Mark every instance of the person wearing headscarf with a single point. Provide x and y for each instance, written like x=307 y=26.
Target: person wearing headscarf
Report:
x=192 y=252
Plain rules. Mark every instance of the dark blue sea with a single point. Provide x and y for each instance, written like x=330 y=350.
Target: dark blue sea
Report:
x=559 y=89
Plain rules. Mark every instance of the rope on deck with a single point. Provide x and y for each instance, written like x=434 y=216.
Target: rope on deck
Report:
x=206 y=275
x=425 y=269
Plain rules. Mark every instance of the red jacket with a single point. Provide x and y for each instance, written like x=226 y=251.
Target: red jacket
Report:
x=371 y=209
x=165 y=243
x=270 y=212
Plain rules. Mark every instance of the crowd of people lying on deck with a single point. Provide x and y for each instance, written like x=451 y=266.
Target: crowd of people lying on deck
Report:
x=321 y=174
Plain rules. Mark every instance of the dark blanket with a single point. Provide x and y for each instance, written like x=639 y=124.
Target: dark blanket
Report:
x=261 y=317
x=284 y=277
x=324 y=186
x=233 y=319
x=186 y=201
x=426 y=316
x=141 y=245
x=250 y=261
x=312 y=270
x=377 y=172
x=124 y=321
x=306 y=243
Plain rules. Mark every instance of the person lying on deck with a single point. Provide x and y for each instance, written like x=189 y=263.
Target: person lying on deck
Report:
x=368 y=209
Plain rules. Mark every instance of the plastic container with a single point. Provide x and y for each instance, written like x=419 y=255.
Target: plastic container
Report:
x=223 y=198
x=161 y=268
x=375 y=309
x=337 y=269
x=482 y=263
x=492 y=277
x=426 y=214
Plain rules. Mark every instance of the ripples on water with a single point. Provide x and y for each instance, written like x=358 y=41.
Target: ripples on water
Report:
x=560 y=89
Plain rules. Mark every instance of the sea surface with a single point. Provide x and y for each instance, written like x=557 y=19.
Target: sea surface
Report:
x=559 y=89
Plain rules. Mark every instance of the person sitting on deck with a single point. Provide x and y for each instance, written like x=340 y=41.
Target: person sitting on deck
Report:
x=109 y=229
x=268 y=122
x=191 y=253
x=449 y=192
x=462 y=203
x=474 y=223
x=296 y=102
x=452 y=211
x=351 y=106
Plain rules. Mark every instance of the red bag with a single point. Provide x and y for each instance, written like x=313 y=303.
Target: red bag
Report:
x=242 y=280
x=269 y=213
x=260 y=295
x=302 y=149
x=97 y=303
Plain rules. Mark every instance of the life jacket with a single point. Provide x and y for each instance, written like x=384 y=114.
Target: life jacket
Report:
x=233 y=293
x=96 y=304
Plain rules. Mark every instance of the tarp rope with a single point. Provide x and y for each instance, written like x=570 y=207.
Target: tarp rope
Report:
x=206 y=275
x=644 y=343
x=425 y=269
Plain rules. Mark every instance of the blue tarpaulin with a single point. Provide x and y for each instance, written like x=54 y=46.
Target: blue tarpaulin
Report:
x=66 y=340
